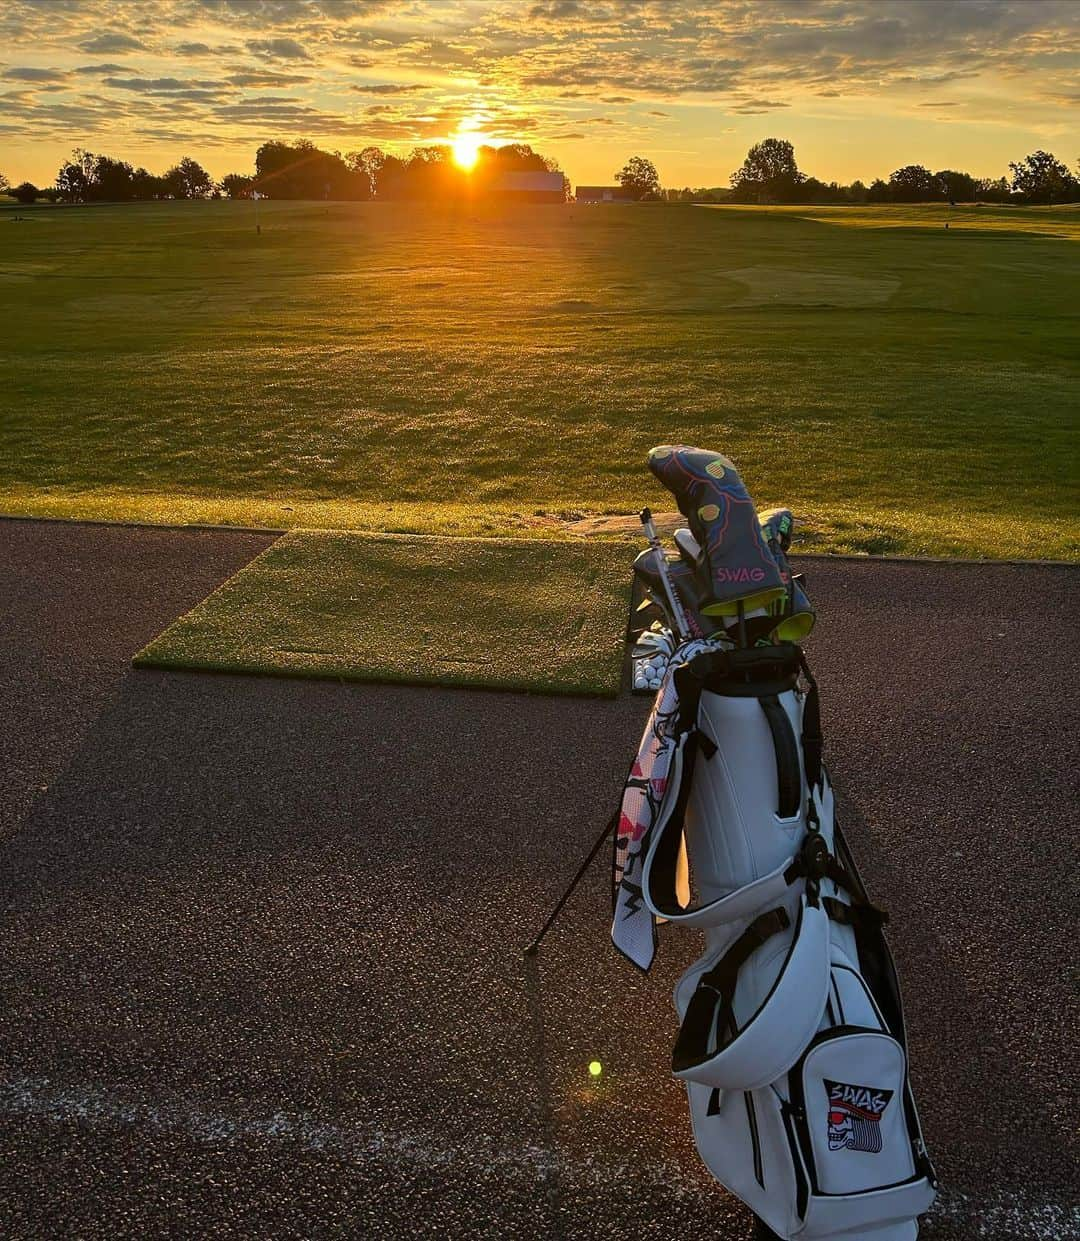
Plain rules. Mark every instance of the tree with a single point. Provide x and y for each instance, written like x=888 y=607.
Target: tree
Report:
x=769 y=172
x=301 y=170
x=989 y=190
x=913 y=184
x=111 y=180
x=390 y=177
x=1041 y=177
x=5 y=184
x=145 y=185
x=518 y=157
x=428 y=173
x=25 y=193
x=188 y=179
x=236 y=185
x=366 y=165
x=75 y=180
x=640 y=177
x=957 y=187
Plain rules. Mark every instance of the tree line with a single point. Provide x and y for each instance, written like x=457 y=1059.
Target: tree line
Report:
x=770 y=174
x=301 y=170
x=298 y=170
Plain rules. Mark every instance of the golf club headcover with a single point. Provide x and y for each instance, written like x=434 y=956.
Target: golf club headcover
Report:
x=683 y=581
x=798 y=616
x=736 y=563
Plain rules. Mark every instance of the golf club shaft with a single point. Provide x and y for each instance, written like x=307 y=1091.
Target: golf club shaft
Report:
x=677 y=613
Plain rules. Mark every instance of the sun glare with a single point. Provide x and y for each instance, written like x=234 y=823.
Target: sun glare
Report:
x=467 y=149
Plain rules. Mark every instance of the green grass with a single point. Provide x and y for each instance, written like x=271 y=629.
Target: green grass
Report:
x=904 y=388
x=502 y=614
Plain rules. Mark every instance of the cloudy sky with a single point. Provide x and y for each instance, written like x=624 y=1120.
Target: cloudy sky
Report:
x=860 y=86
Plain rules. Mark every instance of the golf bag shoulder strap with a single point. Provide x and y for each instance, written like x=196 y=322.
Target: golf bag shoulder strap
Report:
x=767 y=1043
x=812 y=741
x=716 y=991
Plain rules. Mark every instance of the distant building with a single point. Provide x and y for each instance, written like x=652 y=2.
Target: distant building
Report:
x=535 y=187
x=604 y=194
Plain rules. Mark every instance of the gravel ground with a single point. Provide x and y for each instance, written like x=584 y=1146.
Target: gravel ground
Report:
x=262 y=965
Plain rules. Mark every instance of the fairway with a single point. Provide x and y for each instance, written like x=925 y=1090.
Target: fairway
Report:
x=496 y=613
x=905 y=388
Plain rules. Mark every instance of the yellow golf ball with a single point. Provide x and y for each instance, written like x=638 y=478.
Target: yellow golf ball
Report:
x=595 y=1068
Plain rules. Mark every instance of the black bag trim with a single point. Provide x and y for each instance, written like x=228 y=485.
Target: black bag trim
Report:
x=666 y=857
x=788 y=770
x=860 y=917
x=755 y=1138
x=877 y=969
x=749 y=673
x=812 y=741
x=716 y=991
x=802 y=1184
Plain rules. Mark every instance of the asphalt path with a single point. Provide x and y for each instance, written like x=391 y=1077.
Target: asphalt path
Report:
x=260 y=940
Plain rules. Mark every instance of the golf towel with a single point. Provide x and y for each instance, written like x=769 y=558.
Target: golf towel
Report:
x=633 y=930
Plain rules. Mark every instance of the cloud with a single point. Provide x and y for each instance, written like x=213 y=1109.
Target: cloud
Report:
x=1005 y=63
x=163 y=86
x=755 y=107
x=278 y=49
x=267 y=77
x=113 y=41
x=36 y=75
x=386 y=88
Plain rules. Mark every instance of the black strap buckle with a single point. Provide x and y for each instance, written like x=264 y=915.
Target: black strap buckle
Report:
x=814 y=856
x=812 y=863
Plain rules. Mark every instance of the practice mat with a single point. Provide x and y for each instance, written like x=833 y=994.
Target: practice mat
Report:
x=522 y=614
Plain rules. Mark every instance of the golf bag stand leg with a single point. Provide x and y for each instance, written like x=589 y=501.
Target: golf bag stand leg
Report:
x=608 y=828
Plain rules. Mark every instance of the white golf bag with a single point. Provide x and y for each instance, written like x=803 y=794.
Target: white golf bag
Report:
x=791 y=1042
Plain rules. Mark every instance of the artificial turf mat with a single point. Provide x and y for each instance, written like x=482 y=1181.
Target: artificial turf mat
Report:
x=521 y=614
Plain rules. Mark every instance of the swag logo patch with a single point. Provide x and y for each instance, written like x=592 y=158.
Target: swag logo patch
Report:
x=855 y=1114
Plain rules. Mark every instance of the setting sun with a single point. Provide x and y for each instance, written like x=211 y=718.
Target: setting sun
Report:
x=466 y=149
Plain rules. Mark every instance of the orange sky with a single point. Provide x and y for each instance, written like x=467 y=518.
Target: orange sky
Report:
x=860 y=86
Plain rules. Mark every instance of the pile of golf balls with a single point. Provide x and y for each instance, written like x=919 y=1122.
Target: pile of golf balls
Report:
x=649 y=672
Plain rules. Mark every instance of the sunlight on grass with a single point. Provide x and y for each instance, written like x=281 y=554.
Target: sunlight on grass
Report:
x=501 y=614
x=490 y=371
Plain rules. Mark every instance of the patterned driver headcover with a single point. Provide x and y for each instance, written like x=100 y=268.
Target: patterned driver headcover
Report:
x=737 y=563
x=633 y=929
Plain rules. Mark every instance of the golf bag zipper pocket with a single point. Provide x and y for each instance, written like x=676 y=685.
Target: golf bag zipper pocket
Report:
x=788 y=1115
x=755 y=1138
x=848 y=1103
